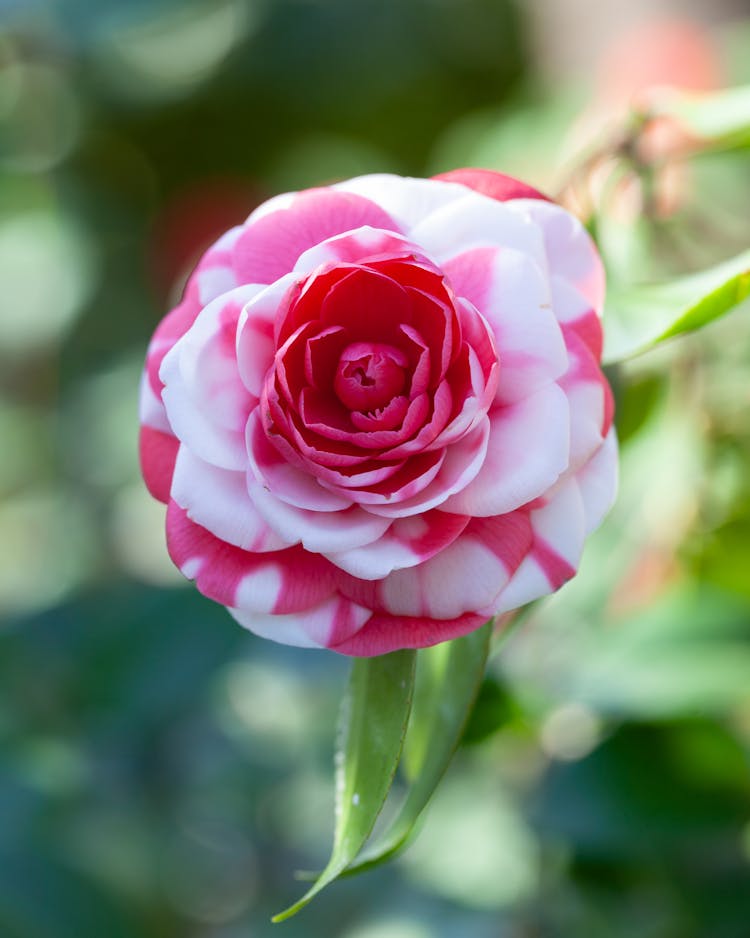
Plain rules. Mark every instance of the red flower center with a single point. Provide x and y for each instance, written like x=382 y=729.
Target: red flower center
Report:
x=369 y=375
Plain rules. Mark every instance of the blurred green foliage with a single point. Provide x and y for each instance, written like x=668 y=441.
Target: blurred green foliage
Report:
x=162 y=771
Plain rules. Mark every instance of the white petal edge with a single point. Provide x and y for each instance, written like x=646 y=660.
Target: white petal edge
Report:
x=529 y=448
x=217 y=499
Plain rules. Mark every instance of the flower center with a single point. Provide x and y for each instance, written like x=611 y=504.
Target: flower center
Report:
x=369 y=375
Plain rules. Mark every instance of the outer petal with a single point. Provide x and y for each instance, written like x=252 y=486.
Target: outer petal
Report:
x=559 y=531
x=571 y=254
x=475 y=221
x=597 y=482
x=495 y=185
x=406 y=200
x=158 y=452
x=151 y=411
x=218 y=500
x=465 y=576
x=212 y=276
x=331 y=623
x=383 y=633
x=510 y=291
x=591 y=403
x=207 y=405
x=407 y=543
x=529 y=446
x=577 y=315
x=270 y=245
x=273 y=583
x=255 y=345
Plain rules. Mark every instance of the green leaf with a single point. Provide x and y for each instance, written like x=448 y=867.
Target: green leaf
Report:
x=374 y=716
x=638 y=318
x=720 y=118
x=448 y=680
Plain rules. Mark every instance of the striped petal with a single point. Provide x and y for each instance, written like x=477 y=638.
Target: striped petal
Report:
x=274 y=583
x=218 y=500
x=512 y=294
x=206 y=402
x=270 y=245
x=528 y=450
x=407 y=543
x=559 y=528
x=334 y=622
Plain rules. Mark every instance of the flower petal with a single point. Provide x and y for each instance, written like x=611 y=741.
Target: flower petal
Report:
x=255 y=344
x=408 y=542
x=590 y=399
x=218 y=500
x=465 y=576
x=576 y=314
x=333 y=622
x=383 y=633
x=510 y=291
x=277 y=582
x=157 y=452
x=495 y=185
x=354 y=247
x=476 y=221
x=270 y=244
x=287 y=482
x=571 y=254
x=207 y=405
x=529 y=446
x=406 y=200
x=559 y=531
x=463 y=460
x=597 y=481
x=318 y=531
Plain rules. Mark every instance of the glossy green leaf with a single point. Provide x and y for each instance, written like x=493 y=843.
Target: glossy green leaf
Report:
x=638 y=318
x=374 y=716
x=720 y=118
x=448 y=680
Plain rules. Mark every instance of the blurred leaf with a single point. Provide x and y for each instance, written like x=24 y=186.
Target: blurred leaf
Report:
x=684 y=655
x=492 y=709
x=636 y=402
x=720 y=118
x=374 y=716
x=638 y=318
x=725 y=555
x=448 y=679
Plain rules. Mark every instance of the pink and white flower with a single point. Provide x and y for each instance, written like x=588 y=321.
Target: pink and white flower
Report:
x=377 y=417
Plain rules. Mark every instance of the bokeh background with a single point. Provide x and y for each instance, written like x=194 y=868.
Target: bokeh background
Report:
x=162 y=772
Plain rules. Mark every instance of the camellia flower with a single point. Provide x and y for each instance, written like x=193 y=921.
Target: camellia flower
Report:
x=377 y=417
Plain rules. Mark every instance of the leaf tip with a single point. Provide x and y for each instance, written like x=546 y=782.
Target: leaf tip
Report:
x=290 y=912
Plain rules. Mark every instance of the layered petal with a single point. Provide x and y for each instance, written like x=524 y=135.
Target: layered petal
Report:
x=218 y=500
x=559 y=529
x=334 y=623
x=493 y=184
x=271 y=244
x=407 y=542
x=276 y=583
x=512 y=293
x=207 y=404
x=465 y=576
x=516 y=469
x=378 y=416
x=571 y=254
